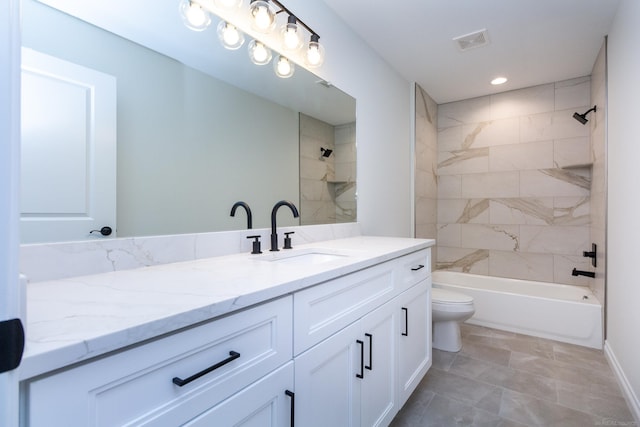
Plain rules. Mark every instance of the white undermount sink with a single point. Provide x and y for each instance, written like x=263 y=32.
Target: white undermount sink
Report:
x=307 y=256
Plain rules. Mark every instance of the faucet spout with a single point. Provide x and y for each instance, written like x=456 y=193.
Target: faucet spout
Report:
x=247 y=209
x=576 y=272
x=274 y=211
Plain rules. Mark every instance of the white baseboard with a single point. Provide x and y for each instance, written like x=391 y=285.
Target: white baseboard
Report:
x=627 y=391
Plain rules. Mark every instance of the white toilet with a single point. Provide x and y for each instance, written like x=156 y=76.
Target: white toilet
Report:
x=449 y=310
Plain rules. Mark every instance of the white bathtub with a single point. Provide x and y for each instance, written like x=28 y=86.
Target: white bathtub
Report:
x=559 y=312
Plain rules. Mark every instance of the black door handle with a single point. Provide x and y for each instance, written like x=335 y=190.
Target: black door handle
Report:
x=233 y=355
x=419 y=267
x=361 y=374
x=370 y=367
x=292 y=395
x=406 y=322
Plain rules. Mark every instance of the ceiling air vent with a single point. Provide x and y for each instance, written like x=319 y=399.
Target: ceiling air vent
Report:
x=472 y=40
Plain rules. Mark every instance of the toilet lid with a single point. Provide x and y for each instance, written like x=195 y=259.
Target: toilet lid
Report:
x=450 y=297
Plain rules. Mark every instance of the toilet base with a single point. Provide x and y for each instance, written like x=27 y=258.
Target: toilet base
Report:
x=446 y=336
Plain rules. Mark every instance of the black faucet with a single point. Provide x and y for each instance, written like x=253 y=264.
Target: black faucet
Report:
x=274 y=211
x=583 y=273
x=246 y=208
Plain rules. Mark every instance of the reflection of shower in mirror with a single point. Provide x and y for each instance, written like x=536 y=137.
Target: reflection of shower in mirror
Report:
x=326 y=152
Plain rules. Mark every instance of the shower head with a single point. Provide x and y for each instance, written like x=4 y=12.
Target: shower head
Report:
x=582 y=118
x=326 y=152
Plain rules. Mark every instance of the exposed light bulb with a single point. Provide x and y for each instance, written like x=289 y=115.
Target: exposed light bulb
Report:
x=315 y=52
x=259 y=53
x=291 y=37
x=194 y=16
x=264 y=18
x=283 y=67
x=230 y=36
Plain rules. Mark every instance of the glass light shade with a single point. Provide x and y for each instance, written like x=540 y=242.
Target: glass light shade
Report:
x=259 y=53
x=263 y=17
x=291 y=35
x=283 y=67
x=194 y=16
x=228 y=4
x=315 y=53
x=230 y=36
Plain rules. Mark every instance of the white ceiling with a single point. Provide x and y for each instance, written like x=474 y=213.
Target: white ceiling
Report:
x=531 y=41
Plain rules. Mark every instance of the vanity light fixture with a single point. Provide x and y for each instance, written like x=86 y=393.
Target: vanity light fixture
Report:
x=194 y=16
x=230 y=37
x=263 y=15
x=284 y=67
x=259 y=53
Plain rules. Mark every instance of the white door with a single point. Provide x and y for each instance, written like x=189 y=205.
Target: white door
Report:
x=68 y=158
x=327 y=389
x=414 y=335
x=378 y=331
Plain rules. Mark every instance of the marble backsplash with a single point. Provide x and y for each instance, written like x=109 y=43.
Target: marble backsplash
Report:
x=51 y=261
x=514 y=184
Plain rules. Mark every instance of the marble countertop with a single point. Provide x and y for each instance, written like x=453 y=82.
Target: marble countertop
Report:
x=74 y=319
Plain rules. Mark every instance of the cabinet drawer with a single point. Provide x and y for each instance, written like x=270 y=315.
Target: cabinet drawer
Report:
x=413 y=268
x=136 y=386
x=322 y=310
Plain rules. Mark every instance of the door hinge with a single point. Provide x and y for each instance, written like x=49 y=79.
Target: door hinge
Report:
x=11 y=344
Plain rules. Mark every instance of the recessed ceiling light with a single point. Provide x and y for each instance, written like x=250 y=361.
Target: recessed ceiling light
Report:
x=499 y=81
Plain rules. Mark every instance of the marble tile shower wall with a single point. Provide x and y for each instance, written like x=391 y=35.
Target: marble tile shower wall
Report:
x=327 y=184
x=426 y=184
x=514 y=183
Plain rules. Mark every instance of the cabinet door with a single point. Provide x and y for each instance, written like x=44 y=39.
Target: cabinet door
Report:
x=379 y=401
x=414 y=335
x=327 y=390
x=263 y=404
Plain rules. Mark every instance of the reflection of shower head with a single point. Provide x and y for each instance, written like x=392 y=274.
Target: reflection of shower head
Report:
x=325 y=152
x=582 y=118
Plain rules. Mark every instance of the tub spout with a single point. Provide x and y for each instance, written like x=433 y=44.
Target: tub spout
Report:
x=583 y=273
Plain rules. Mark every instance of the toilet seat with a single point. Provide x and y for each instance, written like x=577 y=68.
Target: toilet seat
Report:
x=443 y=296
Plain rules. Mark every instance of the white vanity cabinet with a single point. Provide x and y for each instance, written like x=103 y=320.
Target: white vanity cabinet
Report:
x=361 y=374
x=137 y=386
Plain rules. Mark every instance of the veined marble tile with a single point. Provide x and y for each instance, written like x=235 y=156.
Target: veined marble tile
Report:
x=310 y=126
x=537 y=127
x=565 y=126
x=572 y=93
x=568 y=240
x=450 y=139
x=473 y=110
x=463 y=211
x=312 y=190
x=572 y=211
x=490 y=185
x=533 y=155
x=464 y=260
x=554 y=183
x=571 y=151
x=521 y=265
x=522 y=211
x=463 y=161
x=532 y=100
x=483 y=236
x=426 y=183
x=449 y=186
x=449 y=235
x=491 y=133
x=316 y=169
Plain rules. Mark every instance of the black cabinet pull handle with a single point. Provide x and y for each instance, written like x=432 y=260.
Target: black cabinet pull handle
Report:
x=292 y=395
x=406 y=322
x=419 y=267
x=233 y=355
x=361 y=374
x=105 y=231
x=370 y=367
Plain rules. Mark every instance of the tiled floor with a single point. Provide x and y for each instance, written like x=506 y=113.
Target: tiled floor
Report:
x=506 y=379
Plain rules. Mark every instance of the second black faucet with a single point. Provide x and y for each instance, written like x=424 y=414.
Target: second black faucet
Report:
x=274 y=211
